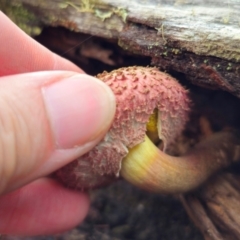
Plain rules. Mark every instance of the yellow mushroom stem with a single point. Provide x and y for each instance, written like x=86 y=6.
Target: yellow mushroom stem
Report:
x=149 y=168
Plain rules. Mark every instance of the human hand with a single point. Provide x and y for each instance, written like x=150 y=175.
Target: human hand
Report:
x=47 y=119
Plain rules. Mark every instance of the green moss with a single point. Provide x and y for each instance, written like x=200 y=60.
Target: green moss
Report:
x=83 y=6
x=165 y=53
x=21 y=16
x=103 y=14
x=229 y=67
x=121 y=13
x=96 y=7
x=212 y=48
x=176 y=51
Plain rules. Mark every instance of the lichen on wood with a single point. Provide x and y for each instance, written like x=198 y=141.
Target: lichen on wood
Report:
x=197 y=38
x=203 y=27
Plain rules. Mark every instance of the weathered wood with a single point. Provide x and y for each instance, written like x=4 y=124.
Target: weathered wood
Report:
x=215 y=208
x=198 y=38
x=210 y=28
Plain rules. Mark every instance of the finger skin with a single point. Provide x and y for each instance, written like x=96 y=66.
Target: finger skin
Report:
x=27 y=129
x=43 y=206
x=40 y=208
x=19 y=53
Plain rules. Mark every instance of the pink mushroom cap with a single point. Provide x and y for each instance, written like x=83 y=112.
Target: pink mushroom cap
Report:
x=139 y=91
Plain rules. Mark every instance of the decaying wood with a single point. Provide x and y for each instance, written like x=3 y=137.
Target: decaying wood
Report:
x=215 y=208
x=197 y=213
x=200 y=39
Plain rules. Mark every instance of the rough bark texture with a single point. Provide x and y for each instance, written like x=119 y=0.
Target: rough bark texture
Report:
x=215 y=208
x=197 y=38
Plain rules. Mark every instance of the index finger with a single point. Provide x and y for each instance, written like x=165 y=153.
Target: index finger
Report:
x=19 y=53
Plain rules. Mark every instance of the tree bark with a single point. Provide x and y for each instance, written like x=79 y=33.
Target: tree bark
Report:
x=215 y=208
x=197 y=38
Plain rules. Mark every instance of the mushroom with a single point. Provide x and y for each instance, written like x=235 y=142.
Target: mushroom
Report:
x=149 y=102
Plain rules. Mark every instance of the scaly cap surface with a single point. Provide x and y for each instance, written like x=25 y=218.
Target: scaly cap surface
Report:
x=139 y=91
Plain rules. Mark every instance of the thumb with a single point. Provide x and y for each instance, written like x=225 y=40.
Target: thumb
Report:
x=47 y=120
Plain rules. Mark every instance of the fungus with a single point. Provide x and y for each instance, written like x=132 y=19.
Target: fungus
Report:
x=149 y=102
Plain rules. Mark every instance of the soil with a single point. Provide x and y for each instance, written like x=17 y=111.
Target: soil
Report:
x=123 y=212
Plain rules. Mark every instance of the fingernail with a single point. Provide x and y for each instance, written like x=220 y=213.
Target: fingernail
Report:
x=80 y=108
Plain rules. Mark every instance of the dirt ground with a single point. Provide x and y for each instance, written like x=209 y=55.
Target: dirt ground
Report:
x=123 y=212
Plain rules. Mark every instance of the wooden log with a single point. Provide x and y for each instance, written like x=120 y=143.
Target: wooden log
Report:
x=199 y=38
x=215 y=208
